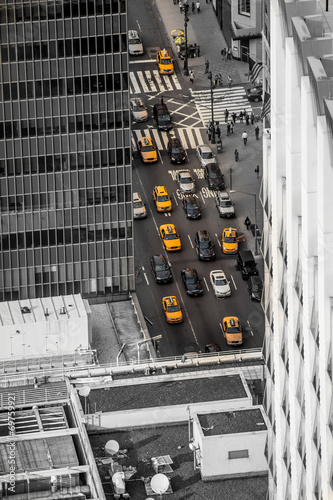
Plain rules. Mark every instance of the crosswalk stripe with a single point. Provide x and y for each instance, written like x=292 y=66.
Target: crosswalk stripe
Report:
x=176 y=81
x=142 y=81
x=189 y=137
x=134 y=83
x=156 y=137
x=150 y=81
x=167 y=82
x=198 y=135
x=182 y=136
x=158 y=79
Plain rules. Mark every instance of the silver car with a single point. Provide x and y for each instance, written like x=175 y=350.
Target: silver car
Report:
x=139 y=209
x=205 y=155
x=185 y=181
x=138 y=110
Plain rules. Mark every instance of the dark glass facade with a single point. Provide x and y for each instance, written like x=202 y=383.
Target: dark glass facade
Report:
x=65 y=158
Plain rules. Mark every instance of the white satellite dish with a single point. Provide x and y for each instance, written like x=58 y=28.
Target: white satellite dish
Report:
x=159 y=483
x=84 y=391
x=112 y=447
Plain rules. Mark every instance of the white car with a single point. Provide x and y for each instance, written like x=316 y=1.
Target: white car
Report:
x=185 y=181
x=205 y=155
x=135 y=47
x=139 y=209
x=138 y=110
x=220 y=284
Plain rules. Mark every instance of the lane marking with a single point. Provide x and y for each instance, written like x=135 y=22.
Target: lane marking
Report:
x=189 y=237
x=218 y=241
x=146 y=278
x=231 y=277
x=206 y=284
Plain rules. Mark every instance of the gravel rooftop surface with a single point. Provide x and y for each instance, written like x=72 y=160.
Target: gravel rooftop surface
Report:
x=186 y=482
x=165 y=393
x=232 y=422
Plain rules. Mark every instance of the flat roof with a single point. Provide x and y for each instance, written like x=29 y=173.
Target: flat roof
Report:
x=232 y=422
x=143 y=444
x=171 y=392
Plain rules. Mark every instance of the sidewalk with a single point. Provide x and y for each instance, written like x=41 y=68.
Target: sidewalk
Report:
x=202 y=29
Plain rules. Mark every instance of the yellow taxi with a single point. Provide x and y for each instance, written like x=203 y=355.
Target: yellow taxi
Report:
x=164 y=61
x=170 y=237
x=162 y=199
x=230 y=240
x=232 y=330
x=147 y=150
x=172 y=309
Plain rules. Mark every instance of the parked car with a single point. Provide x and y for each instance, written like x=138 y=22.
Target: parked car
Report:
x=185 y=181
x=220 y=284
x=255 y=93
x=214 y=177
x=139 y=209
x=191 y=206
x=191 y=282
x=255 y=287
x=161 y=269
x=162 y=117
x=205 y=155
x=246 y=264
x=204 y=246
x=224 y=204
x=135 y=46
x=138 y=110
x=232 y=330
x=176 y=151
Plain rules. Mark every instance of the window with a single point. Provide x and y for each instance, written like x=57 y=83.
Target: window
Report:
x=244 y=7
x=238 y=454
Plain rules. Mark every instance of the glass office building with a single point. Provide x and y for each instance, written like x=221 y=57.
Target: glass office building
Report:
x=65 y=158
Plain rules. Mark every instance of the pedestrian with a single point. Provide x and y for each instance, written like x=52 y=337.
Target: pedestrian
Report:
x=256 y=131
x=207 y=62
x=191 y=75
x=252 y=117
x=228 y=129
x=181 y=6
x=224 y=54
x=216 y=79
x=247 y=119
x=236 y=155
x=229 y=55
x=232 y=127
x=220 y=80
x=257 y=170
x=218 y=132
x=209 y=133
x=247 y=223
x=229 y=81
x=244 y=137
x=198 y=7
x=186 y=7
x=226 y=115
x=241 y=117
x=234 y=116
x=193 y=8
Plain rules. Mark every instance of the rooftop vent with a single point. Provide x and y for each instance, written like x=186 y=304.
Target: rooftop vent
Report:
x=25 y=310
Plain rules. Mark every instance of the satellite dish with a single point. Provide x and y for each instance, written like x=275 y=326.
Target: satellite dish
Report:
x=159 y=483
x=84 y=391
x=112 y=447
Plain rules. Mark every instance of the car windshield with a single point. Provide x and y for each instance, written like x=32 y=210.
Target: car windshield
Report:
x=134 y=41
x=146 y=149
x=165 y=61
x=230 y=239
x=173 y=309
x=192 y=206
x=207 y=155
x=138 y=107
x=162 y=267
x=192 y=280
x=256 y=287
x=165 y=118
x=172 y=236
x=215 y=174
x=221 y=282
x=233 y=329
x=137 y=204
x=205 y=244
x=163 y=197
x=177 y=150
x=226 y=204
x=186 y=180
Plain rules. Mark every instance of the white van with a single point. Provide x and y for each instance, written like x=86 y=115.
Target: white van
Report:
x=135 y=47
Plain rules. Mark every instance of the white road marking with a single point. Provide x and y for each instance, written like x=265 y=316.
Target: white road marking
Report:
x=142 y=61
x=206 y=283
x=167 y=83
x=176 y=81
x=232 y=278
x=222 y=329
x=218 y=241
x=150 y=81
x=176 y=201
x=134 y=84
x=156 y=138
x=158 y=79
x=252 y=334
x=143 y=82
x=146 y=278
x=189 y=237
x=203 y=199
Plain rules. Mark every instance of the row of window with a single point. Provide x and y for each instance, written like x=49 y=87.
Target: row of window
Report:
x=66 y=199
x=51 y=49
x=70 y=125
x=56 y=163
x=56 y=237
x=65 y=86
x=39 y=11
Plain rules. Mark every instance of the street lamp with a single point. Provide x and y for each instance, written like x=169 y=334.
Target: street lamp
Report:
x=186 y=20
x=210 y=77
x=255 y=218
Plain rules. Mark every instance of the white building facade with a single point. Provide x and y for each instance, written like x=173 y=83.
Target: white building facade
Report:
x=297 y=247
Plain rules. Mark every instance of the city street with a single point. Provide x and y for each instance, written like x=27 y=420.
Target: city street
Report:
x=190 y=109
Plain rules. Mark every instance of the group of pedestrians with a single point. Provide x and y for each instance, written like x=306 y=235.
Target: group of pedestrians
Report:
x=185 y=7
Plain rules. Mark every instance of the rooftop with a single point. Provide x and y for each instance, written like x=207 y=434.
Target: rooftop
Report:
x=232 y=422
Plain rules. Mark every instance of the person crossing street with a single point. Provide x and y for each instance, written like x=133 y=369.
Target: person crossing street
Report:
x=244 y=137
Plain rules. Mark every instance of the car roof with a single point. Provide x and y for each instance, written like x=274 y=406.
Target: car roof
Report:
x=190 y=270
x=204 y=147
x=203 y=234
x=159 y=258
x=213 y=166
x=161 y=107
x=161 y=189
x=147 y=141
x=256 y=279
x=164 y=53
x=133 y=34
x=175 y=142
x=136 y=197
x=246 y=254
x=223 y=195
x=184 y=172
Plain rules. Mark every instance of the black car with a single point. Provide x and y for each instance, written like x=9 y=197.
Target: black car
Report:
x=255 y=287
x=214 y=177
x=246 y=264
x=204 y=245
x=254 y=93
x=160 y=269
x=191 y=282
x=176 y=151
x=162 y=117
x=192 y=207
x=212 y=347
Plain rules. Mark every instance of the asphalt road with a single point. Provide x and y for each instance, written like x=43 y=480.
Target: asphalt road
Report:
x=202 y=315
